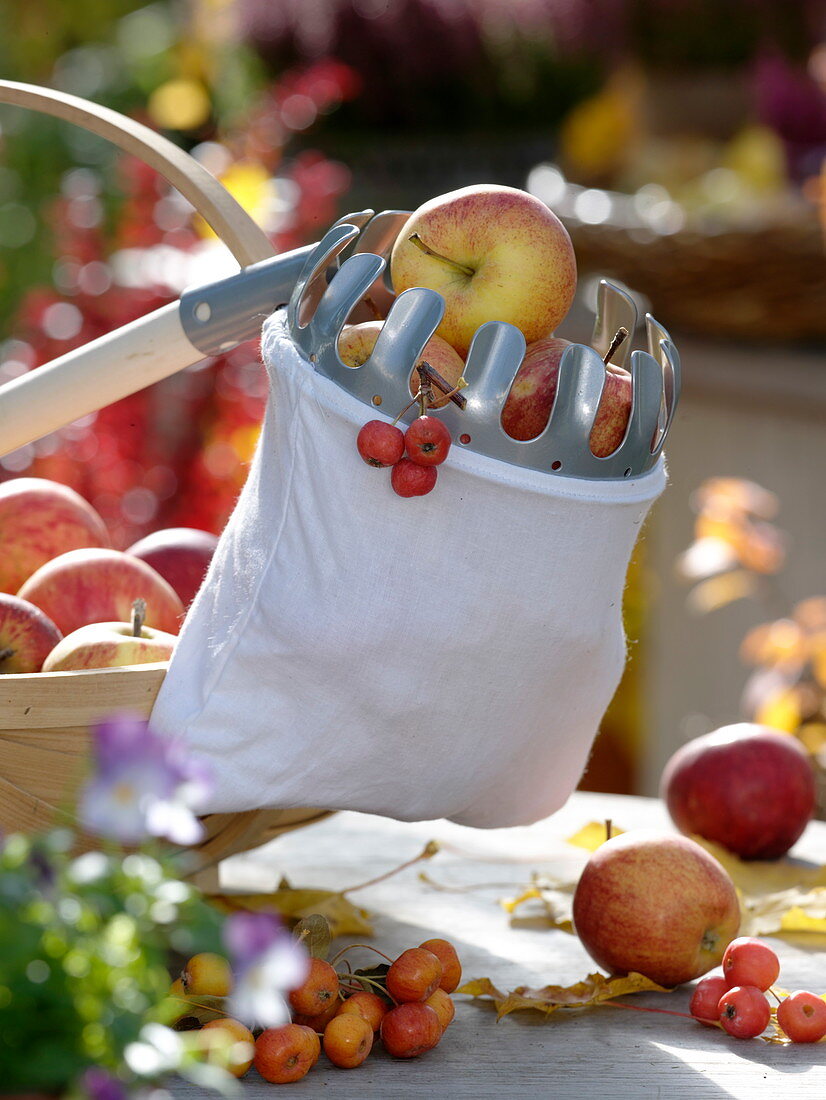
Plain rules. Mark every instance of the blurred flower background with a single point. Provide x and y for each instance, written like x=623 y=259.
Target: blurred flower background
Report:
x=680 y=140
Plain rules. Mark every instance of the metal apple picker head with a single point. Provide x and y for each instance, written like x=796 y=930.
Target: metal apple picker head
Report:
x=322 y=288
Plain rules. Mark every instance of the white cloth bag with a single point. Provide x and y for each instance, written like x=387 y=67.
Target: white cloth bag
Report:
x=450 y=655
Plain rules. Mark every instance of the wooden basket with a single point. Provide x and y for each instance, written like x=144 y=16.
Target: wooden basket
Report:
x=45 y=717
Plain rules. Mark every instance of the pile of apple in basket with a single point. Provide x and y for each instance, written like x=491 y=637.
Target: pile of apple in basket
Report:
x=69 y=601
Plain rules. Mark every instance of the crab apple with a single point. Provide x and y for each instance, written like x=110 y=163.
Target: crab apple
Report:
x=348 y=1039
x=380 y=444
x=286 y=1054
x=410 y=1029
x=427 y=441
x=657 y=904
x=745 y=786
x=410 y=479
x=235 y=1043
x=27 y=636
x=319 y=1021
x=369 y=1005
x=40 y=519
x=706 y=998
x=445 y=952
x=748 y=961
x=442 y=1004
x=802 y=1015
x=207 y=974
x=743 y=1011
x=414 y=975
x=317 y=991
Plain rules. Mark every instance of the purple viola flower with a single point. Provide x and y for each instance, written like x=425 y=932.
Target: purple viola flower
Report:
x=267 y=963
x=144 y=785
x=99 y=1084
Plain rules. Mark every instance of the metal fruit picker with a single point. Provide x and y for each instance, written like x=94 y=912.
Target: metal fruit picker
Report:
x=292 y=673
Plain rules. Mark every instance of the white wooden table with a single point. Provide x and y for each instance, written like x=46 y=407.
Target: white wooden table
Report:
x=601 y=1052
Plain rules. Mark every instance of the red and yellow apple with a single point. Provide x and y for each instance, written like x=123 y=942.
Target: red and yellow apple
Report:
x=180 y=554
x=655 y=904
x=494 y=253
x=109 y=645
x=747 y=787
x=356 y=343
x=27 y=636
x=40 y=519
x=95 y=585
x=529 y=403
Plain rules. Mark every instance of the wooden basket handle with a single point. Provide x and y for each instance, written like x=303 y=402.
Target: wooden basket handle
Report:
x=243 y=237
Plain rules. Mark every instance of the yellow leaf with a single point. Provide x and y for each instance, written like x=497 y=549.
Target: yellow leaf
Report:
x=556 y=898
x=593 y=834
x=781 y=711
x=293 y=904
x=716 y=592
x=595 y=989
x=803 y=916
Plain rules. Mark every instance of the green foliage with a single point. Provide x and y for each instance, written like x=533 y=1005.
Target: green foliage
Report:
x=86 y=944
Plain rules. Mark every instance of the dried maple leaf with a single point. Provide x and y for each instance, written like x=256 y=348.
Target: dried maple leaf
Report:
x=593 y=990
x=296 y=903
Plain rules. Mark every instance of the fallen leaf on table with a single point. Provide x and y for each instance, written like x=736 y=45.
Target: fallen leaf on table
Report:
x=595 y=989
x=592 y=835
x=296 y=903
x=554 y=896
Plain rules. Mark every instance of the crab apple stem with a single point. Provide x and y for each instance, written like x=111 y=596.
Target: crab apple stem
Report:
x=425 y=390
x=448 y=390
x=138 y=615
x=409 y=405
x=430 y=849
x=419 y=243
x=619 y=336
x=775 y=994
x=366 y=946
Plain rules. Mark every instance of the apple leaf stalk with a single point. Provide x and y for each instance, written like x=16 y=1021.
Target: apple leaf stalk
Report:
x=419 y=243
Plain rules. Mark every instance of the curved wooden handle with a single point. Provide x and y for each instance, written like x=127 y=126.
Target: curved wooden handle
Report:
x=243 y=237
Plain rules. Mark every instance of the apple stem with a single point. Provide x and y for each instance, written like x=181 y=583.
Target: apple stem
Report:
x=619 y=337
x=138 y=616
x=6 y=653
x=609 y=828
x=419 y=243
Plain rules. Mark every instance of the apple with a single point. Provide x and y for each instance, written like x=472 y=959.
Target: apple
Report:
x=40 y=519
x=494 y=254
x=528 y=405
x=180 y=554
x=656 y=904
x=356 y=343
x=95 y=585
x=109 y=645
x=27 y=636
x=747 y=787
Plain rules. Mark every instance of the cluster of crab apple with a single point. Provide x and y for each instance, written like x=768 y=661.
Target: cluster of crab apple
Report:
x=405 y=1005
x=494 y=254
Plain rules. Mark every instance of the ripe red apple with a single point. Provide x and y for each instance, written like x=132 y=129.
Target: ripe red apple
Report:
x=109 y=645
x=27 y=636
x=494 y=254
x=40 y=519
x=747 y=787
x=180 y=554
x=532 y=394
x=356 y=343
x=99 y=586
x=656 y=904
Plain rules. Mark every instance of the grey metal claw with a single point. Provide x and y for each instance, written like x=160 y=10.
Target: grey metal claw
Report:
x=615 y=309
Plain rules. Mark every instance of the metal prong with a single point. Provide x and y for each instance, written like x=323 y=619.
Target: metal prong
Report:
x=312 y=282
